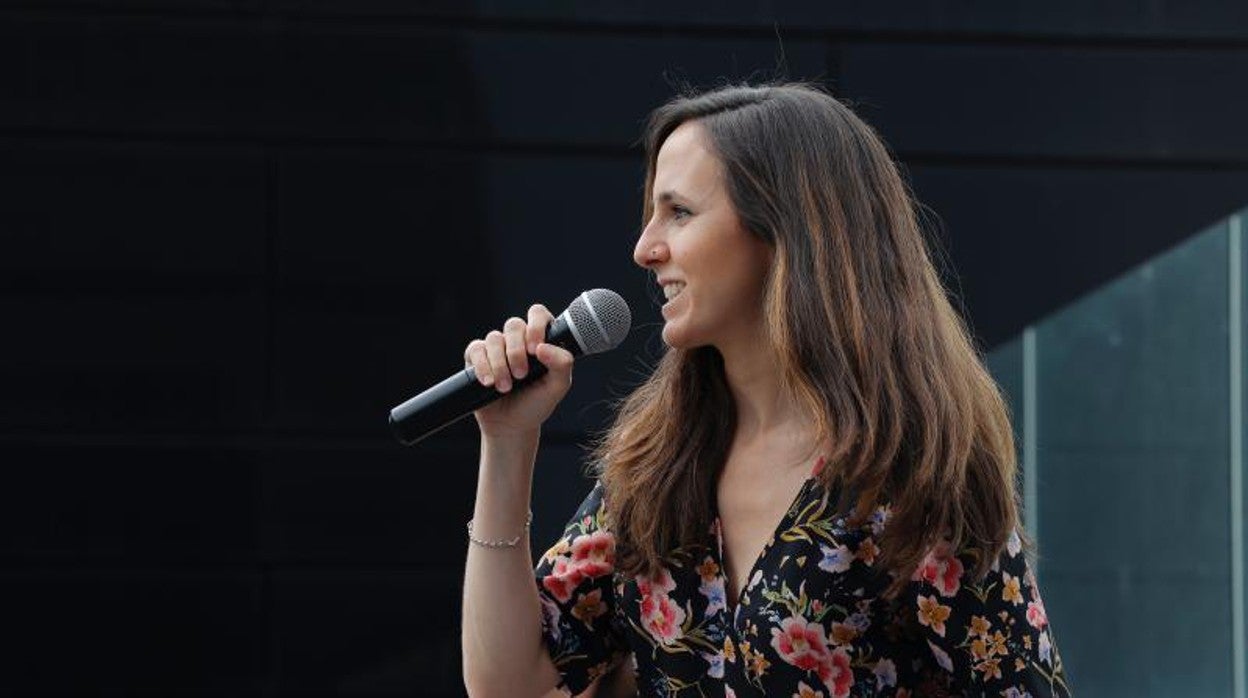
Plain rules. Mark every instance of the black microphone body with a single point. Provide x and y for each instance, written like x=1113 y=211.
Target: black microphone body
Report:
x=462 y=394
x=596 y=321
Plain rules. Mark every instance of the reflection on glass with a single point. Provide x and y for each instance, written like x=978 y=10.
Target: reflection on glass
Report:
x=1128 y=405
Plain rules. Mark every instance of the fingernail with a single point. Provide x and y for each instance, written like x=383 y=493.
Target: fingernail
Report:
x=521 y=373
x=532 y=347
x=504 y=385
x=487 y=379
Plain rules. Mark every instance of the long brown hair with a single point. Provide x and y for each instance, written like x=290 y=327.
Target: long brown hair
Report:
x=861 y=327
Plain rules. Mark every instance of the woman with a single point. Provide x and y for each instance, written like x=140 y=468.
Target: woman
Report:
x=813 y=494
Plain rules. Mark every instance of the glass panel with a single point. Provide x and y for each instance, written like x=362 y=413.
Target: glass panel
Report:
x=1006 y=365
x=1239 y=419
x=1133 y=422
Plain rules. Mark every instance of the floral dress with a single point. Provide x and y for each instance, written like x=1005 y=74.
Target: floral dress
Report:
x=810 y=622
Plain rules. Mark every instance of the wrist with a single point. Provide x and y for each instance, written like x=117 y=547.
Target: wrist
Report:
x=512 y=440
x=509 y=456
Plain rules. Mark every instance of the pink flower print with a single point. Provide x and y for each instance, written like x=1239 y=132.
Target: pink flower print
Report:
x=941 y=570
x=593 y=554
x=562 y=580
x=836 y=674
x=1036 y=615
x=662 y=618
x=800 y=643
x=660 y=583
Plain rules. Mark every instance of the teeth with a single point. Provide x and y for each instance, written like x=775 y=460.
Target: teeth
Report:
x=673 y=289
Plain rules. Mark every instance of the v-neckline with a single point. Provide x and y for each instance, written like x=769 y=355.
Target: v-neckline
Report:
x=781 y=526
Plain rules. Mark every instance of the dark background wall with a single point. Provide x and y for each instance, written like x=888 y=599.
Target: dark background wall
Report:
x=236 y=233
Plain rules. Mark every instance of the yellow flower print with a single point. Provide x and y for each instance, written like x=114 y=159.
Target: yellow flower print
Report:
x=998 y=644
x=755 y=661
x=598 y=670
x=843 y=633
x=1011 y=591
x=730 y=654
x=708 y=570
x=979 y=649
x=758 y=663
x=991 y=668
x=556 y=550
x=867 y=551
x=933 y=614
x=589 y=607
x=979 y=626
x=804 y=691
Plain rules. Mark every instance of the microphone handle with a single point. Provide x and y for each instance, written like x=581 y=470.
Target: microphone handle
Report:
x=461 y=394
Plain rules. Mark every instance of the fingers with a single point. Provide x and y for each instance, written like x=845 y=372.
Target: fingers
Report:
x=539 y=319
x=517 y=357
x=474 y=356
x=501 y=358
x=496 y=354
x=557 y=359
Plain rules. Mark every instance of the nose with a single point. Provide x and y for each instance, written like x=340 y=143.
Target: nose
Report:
x=650 y=250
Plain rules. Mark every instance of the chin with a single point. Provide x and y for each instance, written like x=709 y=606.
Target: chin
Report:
x=673 y=337
x=677 y=337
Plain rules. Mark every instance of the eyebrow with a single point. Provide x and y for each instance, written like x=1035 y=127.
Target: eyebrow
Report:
x=670 y=195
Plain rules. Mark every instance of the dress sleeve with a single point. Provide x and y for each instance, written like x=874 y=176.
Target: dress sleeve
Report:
x=989 y=637
x=576 y=587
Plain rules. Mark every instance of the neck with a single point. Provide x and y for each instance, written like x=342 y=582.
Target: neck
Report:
x=765 y=408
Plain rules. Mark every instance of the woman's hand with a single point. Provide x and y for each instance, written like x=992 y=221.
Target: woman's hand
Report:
x=501 y=358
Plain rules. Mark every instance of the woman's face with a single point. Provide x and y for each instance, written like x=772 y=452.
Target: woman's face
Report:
x=711 y=268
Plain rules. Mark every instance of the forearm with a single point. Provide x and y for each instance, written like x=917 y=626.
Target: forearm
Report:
x=501 y=641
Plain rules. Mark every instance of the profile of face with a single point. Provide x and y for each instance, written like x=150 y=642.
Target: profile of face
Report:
x=712 y=270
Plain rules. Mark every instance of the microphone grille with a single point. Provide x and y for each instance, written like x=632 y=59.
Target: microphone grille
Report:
x=603 y=318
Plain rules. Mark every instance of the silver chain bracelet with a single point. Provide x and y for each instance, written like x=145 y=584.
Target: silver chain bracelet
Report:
x=501 y=543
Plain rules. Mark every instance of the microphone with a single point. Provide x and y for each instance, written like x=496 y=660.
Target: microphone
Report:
x=596 y=321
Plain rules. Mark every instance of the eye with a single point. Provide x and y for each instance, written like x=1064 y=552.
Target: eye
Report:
x=679 y=212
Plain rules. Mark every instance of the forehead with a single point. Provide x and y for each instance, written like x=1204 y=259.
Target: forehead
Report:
x=685 y=164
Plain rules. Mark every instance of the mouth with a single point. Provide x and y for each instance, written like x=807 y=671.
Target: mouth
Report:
x=672 y=289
